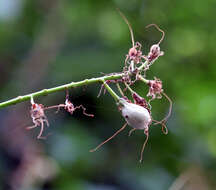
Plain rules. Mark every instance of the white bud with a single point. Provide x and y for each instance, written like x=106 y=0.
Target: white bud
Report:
x=155 y=49
x=136 y=116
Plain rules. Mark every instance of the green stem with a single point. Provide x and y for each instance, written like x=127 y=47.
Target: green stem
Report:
x=70 y=85
x=129 y=88
x=112 y=93
x=143 y=65
x=119 y=89
x=143 y=79
x=59 y=88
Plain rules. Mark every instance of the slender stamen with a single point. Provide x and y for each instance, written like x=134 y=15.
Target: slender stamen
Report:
x=93 y=150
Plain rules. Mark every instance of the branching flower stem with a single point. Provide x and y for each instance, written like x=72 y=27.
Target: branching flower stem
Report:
x=143 y=79
x=129 y=88
x=85 y=82
x=112 y=93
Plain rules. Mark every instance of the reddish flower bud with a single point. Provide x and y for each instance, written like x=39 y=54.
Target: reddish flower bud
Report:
x=155 y=49
x=37 y=111
x=69 y=107
x=154 y=53
x=38 y=117
x=140 y=100
x=132 y=53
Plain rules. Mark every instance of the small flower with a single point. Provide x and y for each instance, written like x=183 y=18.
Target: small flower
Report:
x=69 y=107
x=38 y=117
x=155 y=88
x=154 y=53
x=135 y=53
x=133 y=57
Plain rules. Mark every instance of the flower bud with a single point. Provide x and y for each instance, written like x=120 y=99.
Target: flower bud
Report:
x=155 y=88
x=140 y=100
x=154 y=53
x=37 y=111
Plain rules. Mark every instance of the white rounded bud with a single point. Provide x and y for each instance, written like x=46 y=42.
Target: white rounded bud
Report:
x=155 y=49
x=136 y=116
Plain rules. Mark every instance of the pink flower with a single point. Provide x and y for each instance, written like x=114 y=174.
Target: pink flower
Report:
x=38 y=118
x=154 y=53
x=155 y=88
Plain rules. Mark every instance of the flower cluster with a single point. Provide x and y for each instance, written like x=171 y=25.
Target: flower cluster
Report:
x=135 y=56
x=137 y=114
x=136 y=111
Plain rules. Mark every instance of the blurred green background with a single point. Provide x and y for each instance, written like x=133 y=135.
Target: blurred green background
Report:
x=45 y=43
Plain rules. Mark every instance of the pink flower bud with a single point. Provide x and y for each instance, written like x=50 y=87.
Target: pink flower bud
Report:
x=37 y=111
x=154 y=53
x=38 y=117
x=155 y=88
x=140 y=100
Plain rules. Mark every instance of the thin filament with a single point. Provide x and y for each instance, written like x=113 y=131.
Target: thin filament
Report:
x=163 y=125
x=129 y=88
x=41 y=130
x=84 y=109
x=31 y=127
x=119 y=89
x=56 y=106
x=143 y=147
x=162 y=122
x=164 y=129
x=156 y=26
x=131 y=131
x=93 y=150
x=129 y=26
x=170 y=107
x=101 y=88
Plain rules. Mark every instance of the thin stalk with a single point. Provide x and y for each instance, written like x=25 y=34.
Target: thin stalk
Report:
x=129 y=88
x=112 y=93
x=119 y=89
x=143 y=79
x=143 y=65
x=68 y=86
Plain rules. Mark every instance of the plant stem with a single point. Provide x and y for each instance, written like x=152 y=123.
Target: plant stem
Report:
x=129 y=88
x=70 y=85
x=112 y=93
x=60 y=88
x=119 y=89
x=143 y=79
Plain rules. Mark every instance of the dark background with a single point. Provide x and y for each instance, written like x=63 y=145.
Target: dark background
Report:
x=46 y=43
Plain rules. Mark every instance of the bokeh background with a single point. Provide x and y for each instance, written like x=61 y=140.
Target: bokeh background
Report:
x=45 y=43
